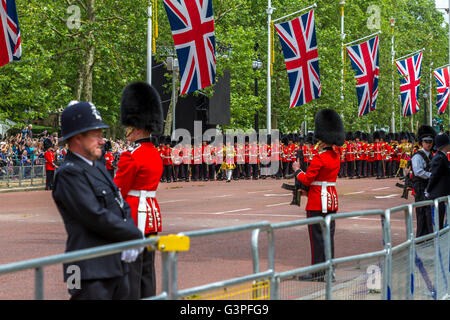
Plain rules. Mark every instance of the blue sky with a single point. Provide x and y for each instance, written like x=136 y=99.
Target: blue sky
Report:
x=442 y=4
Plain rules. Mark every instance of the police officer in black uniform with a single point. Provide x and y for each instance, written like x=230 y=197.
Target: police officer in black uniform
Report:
x=420 y=162
x=92 y=208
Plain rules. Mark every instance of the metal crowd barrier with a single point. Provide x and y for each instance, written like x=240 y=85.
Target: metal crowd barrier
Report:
x=19 y=176
x=412 y=274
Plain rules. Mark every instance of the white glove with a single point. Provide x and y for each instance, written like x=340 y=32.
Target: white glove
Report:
x=129 y=255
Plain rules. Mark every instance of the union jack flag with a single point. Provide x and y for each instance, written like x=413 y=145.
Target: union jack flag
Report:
x=10 y=41
x=365 y=61
x=192 y=24
x=298 y=40
x=443 y=83
x=410 y=70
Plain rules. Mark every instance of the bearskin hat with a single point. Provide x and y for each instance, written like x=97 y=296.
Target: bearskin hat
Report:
x=349 y=136
x=382 y=135
x=47 y=144
x=329 y=127
x=376 y=135
x=141 y=107
x=364 y=136
x=425 y=131
x=108 y=146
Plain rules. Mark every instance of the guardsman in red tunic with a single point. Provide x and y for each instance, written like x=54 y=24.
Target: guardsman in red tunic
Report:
x=50 y=165
x=350 y=155
x=176 y=156
x=109 y=158
x=187 y=155
x=389 y=153
x=358 y=154
x=247 y=168
x=320 y=178
x=264 y=157
x=379 y=154
x=254 y=159
x=138 y=174
x=275 y=157
x=196 y=160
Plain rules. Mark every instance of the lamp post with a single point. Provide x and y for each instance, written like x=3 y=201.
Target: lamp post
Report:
x=342 y=3
x=257 y=65
x=172 y=65
x=425 y=97
x=392 y=21
x=149 y=44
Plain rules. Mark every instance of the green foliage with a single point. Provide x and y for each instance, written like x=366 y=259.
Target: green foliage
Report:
x=53 y=57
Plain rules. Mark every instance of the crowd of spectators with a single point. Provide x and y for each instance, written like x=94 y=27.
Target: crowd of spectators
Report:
x=26 y=149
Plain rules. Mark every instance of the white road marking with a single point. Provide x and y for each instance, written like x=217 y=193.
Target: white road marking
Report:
x=386 y=197
x=277 y=204
x=377 y=189
x=230 y=211
x=277 y=194
x=171 y=201
x=222 y=196
x=271 y=215
x=358 y=192
x=259 y=191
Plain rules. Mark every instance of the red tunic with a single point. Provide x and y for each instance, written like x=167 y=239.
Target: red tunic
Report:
x=49 y=160
x=324 y=167
x=141 y=169
x=350 y=152
x=109 y=160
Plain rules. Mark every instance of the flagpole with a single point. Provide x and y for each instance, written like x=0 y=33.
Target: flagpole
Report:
x=441 y=67
x=363 y=38
x=308 y=8
x=431 y=78
x=392 y=71
x=149 y=45
x=269 y=12
x=342 y=3
x=411 y=54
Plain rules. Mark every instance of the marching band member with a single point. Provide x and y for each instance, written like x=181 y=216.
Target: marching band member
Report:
x=138 y=174
x=228 y=164
x=321 y=179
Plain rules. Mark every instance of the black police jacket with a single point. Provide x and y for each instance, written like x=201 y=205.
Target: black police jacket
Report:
x=439 y=182
x=94 y=214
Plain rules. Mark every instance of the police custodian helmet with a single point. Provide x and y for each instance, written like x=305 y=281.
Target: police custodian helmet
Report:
x=79 y=117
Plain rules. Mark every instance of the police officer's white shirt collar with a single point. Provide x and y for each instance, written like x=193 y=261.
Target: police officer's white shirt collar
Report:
x=84 y=159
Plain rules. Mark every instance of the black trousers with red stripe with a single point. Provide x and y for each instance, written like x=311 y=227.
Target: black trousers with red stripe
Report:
x=316 y=237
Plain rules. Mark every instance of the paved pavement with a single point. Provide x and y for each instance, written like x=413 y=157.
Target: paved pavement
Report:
x=31 y=227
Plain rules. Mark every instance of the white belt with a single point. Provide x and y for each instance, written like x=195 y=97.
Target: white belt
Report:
x=323 y=192
x=143 y=206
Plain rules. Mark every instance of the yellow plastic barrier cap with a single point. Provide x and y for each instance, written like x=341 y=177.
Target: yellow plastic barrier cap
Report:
x=173 y=243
